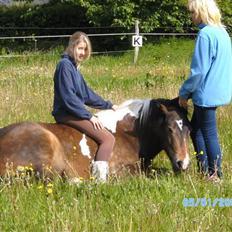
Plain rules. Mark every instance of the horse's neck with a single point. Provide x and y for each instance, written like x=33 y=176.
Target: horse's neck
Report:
x=110 y=118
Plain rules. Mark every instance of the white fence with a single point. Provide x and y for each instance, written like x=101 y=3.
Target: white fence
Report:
x=135 y=48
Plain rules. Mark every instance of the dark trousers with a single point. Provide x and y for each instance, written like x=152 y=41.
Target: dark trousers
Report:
x=205 y=140
x=102 y=137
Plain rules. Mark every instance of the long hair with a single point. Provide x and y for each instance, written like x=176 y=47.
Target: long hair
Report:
x=74 y=40
x=207 y=11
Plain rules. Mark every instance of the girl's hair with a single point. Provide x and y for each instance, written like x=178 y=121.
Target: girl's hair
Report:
x=206 y=10
x=74 y=40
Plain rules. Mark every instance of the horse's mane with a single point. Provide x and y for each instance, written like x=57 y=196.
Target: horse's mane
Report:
x=133 y=105
x=145 y=111
x=109 y=118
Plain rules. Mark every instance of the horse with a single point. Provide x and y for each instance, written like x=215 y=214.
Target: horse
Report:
x=142 y=128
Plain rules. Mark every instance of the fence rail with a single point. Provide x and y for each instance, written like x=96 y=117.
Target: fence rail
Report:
x=35 y=39
x=94 y=35
x=94 y=53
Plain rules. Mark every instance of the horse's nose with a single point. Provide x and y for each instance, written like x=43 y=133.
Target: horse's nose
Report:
x=180 y=164
x=183 y=164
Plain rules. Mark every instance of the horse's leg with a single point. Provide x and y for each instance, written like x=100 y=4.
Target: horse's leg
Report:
x=146 y=160
x=146 y=164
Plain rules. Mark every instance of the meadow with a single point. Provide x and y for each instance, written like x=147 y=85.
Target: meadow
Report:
x=133 y=204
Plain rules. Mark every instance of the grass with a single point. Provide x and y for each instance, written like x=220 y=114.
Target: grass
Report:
x=135 y=203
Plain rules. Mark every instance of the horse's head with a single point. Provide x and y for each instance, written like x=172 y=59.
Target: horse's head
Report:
x=175 y=134
x=165 y=127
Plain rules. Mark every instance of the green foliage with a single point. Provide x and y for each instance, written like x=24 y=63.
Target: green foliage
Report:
x=56 y=15
x=226 y=9
x=92 y=16
x=154 y=15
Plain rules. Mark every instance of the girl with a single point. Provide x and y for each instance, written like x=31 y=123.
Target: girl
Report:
x=71 y=94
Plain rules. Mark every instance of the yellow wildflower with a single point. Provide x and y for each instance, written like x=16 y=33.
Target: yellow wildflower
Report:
x=20 y=168
x=49 y=190
x=49 y=168
x=92 y=178
x=23 y=174
x=49 y=185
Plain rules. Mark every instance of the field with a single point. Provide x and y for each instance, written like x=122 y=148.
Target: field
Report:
x=135 y=203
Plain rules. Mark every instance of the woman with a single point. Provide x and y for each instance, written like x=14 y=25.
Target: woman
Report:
x=209 y=83
x=71 y=94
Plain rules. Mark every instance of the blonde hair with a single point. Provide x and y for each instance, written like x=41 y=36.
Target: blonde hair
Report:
x=206 y=10
x=74 y=40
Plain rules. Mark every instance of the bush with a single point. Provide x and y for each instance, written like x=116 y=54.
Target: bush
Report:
x=66 y=16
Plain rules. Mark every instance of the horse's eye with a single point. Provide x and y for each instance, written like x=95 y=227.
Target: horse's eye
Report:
x=170 y=129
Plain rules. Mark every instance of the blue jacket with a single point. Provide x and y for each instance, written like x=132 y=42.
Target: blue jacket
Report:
x=210 y=81
x=71 y=92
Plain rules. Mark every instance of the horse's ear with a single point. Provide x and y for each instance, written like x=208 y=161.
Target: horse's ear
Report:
x=175 y=102
x=163 y=108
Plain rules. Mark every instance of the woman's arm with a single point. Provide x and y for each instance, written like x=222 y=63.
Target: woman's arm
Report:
x=201 y=63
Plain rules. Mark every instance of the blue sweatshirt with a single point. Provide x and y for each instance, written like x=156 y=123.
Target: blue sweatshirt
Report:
x=210 y=81
x=71 y=92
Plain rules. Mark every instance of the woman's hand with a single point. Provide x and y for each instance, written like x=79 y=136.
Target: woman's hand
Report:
x=114 y=107
x=183 y=102
x=96 y=123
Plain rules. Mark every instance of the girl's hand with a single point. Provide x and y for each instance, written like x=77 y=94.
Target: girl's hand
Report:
x=183 y=102
x=96 y=123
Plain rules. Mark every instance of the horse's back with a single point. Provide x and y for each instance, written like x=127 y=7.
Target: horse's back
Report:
x=43 y=146
x=125 y=152
x=78 y=148
x=29 y=144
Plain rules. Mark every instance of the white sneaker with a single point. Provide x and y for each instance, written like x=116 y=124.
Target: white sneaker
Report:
x=100 y=170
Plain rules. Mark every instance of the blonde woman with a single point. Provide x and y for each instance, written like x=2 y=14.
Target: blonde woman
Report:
x=209 y=83
x=71 y=94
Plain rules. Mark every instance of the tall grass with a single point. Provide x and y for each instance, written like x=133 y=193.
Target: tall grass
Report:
x=135 y=203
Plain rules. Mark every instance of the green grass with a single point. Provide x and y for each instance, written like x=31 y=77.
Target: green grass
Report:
x=135 y=203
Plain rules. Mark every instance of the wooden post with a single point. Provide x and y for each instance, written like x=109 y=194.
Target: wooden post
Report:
x=136 y=47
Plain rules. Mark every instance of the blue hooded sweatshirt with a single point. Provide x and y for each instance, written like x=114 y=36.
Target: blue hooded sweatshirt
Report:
x=210 y=81
x=71 y=92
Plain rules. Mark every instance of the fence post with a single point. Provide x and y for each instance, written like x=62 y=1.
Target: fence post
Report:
x=136 y=47
x=35 y=44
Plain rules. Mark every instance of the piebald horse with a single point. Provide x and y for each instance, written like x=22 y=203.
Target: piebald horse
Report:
x=142 y=128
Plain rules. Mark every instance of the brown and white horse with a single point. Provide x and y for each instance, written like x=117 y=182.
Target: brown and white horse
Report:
x=142 y=129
